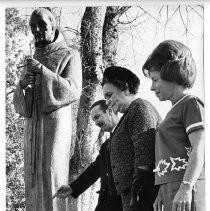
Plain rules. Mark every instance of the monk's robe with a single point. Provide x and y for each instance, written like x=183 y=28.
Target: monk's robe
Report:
x=48 y=129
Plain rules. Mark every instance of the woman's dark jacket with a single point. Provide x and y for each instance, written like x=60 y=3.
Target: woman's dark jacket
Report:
x=133 y=145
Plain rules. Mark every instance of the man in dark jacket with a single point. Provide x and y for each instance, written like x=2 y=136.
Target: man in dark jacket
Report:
x=108 y=200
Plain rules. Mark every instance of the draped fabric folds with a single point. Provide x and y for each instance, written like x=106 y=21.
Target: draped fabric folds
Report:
x=48 y=130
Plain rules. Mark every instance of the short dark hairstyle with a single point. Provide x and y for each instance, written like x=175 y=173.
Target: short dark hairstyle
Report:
x=101 y=103
x=122 y=78
x=174 y=61
x=40 y=10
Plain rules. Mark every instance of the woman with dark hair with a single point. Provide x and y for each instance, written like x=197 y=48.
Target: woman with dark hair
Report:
x=132 y=141
x=179 y=146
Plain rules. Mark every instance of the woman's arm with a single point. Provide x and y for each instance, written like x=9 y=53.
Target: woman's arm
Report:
x=196 y=159
x=193 y=170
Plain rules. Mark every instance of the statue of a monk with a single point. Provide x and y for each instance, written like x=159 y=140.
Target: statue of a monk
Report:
x=50 y=82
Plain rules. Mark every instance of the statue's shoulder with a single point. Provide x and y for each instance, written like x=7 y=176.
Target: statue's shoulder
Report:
x=73 y=50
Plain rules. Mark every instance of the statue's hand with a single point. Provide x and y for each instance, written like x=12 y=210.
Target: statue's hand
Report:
x=63 y=192
x=33 y=66
x=29 y=79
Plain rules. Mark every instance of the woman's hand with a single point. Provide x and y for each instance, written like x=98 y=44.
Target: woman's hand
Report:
x=63 y=192
x=133 y=204
x=158 y=204
x=33 y=66
x=183 y=198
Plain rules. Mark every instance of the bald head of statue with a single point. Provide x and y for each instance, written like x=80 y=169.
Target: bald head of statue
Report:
x=43 y=27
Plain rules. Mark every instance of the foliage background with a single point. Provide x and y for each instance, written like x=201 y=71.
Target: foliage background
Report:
x=15 y=26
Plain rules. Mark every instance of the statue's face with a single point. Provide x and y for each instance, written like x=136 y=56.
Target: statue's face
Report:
x=42 y=29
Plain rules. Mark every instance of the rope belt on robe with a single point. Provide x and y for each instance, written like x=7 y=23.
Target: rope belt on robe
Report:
x=33 y=98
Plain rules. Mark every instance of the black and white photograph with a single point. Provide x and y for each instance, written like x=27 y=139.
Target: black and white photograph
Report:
x=104 y=105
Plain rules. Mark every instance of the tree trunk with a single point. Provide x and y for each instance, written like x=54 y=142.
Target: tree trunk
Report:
x=99 y=41
x=110 y=37
x=91 y=50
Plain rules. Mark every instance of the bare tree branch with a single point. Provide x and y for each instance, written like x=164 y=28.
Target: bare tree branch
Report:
x=135 y=25
x=187 y=17
x=173 y=14
x=8 y=93
x=158 y=17
x=180 y=13
x=160 y=10
x=131 y=36
x=118 y=14
x=134 y=19
x=122 y=10
x=193 y=8
x=149 y=14
x=72 y=30
x=167 y=19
